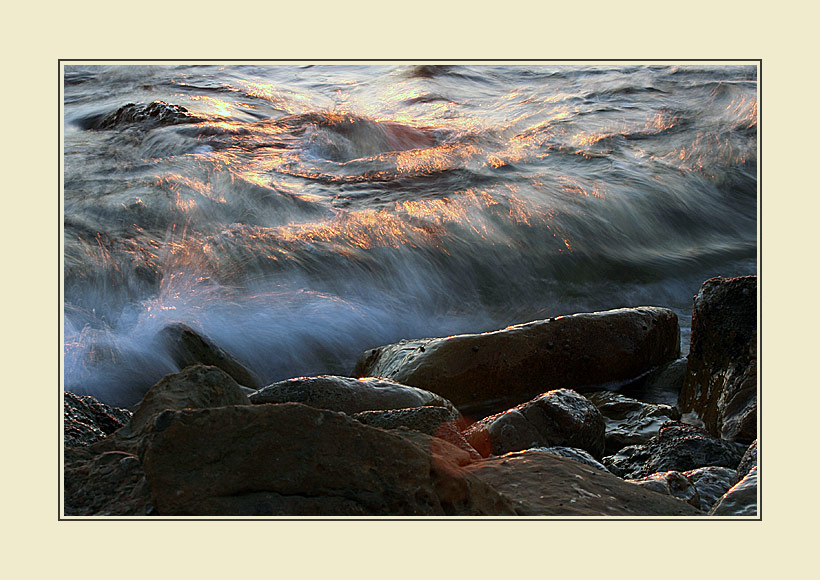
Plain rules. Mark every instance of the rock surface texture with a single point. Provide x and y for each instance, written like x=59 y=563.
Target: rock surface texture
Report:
x=676 y=447
x=290 y=459
x=711 y=483
x=580 y=351
x=671 y=483
x=721 y=381
x=542 y=484
x=740 y=500
x=556 y=418
x=349 y=395
x=630 y=421
x=86 y=420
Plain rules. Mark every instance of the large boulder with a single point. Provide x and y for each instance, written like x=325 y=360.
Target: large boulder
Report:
x=556 y=418
x=630 y=421
x=676 y=447
x=86 y=420
x=711 y=483
x=582 y=352
x=291 y=459
x=188 y=347
x=740 y=500
x=542 y=484
x=195 y=387
x=349 y=395
x=721 y=381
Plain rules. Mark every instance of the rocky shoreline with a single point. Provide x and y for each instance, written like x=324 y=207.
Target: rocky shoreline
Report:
x=549 y=418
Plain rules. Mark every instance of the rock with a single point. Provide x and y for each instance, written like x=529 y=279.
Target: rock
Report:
x=436 y=421
x=676 y=447
x=629 y=421
x=721 y=381
x=711 y=483
x=581 y=352
x=740 y=500
x=157 y=113
x=196 y=387
x=542 y=484
x=557 y=418
x=572 y=453
x=187 y=347
x=291 y=459
x=661 y=385
x=747 y=462
x=671 y=483
x=107 y=484
x=349 y=395
x=86 y=420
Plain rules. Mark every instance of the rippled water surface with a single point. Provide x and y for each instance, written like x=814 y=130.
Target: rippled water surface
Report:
x=298 y=215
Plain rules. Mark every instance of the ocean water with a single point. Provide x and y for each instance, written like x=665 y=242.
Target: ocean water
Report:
x=298 y=215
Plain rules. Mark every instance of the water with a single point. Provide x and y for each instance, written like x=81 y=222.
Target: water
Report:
x=298 y=215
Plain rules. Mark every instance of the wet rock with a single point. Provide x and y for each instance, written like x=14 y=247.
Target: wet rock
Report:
x=629 y=421
x=581 y=351
x=671 y=483
x=573 y=453
x=196 y=387
x=106 y=484
x=157 y=113
x=86 y=420
x=711 y=483
x=721 y=381
x=740 y=500
x=349 y=395
x=747 y=462
x=542 y=484
x=436 y=421
x=661 y=385
x=291 y=459
x=188 y=347
x=556 y=418
x=676 y=447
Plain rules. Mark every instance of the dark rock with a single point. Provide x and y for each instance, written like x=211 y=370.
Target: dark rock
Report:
x=157 y=113
x=573 y=453
x=436 y=421
x=291 y=459
x=671 y=483
x=629 y=421
x=721 y=381
x=86 y=420
x=557 y=418
x=196 y=387
x=349 y=395
x=542 y=484
x=747 y=462
x=711 y=483
x=107 y=484
x=188 y=347
x=661 y=385
x=676 y=447
x=582 y=351
x=740 y=500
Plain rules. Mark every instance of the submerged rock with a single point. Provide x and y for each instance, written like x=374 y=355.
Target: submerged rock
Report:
x=711 y=483
x=542 y=484
x=188 y=347
x=676 y=447
x=581 y=351
x=291 y=459
x=557 y=418
x=629 y=421
x=671 y=483
x=349 y=395
x=86 y=420
x=157 y=113
x=740 y=500
x=721 y=381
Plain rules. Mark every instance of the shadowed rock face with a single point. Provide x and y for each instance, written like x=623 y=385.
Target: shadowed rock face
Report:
x=721 y=381
x=557 y=418
x=291 y=459
x=581 y=351
x=349 y=395
x=542 y=484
